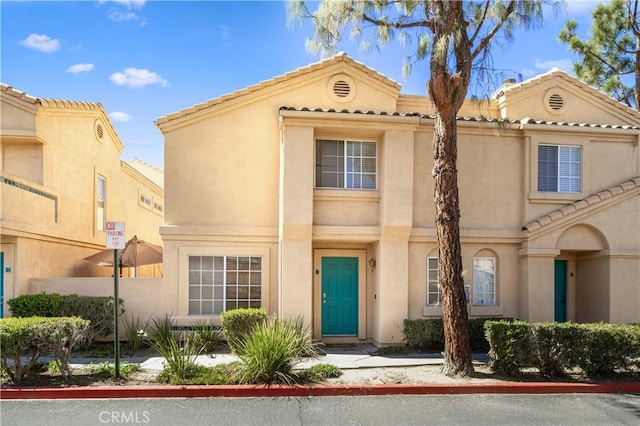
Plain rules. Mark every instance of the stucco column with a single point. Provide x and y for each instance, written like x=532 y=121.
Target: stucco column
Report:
x=537 y=284
x=391 y=303
x=624 y=297
x=295 y=223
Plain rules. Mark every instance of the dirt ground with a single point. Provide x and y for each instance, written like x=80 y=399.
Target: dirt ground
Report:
x=426 y=374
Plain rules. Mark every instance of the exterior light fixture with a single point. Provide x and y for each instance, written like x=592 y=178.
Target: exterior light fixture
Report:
x=372 y=263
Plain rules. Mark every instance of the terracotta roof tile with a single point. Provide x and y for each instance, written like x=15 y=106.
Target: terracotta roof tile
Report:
x=582 y=204
x=339 y=57
x=465 y=118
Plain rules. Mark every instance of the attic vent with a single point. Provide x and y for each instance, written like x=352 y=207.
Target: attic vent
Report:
x=341 y=89
x=98 y=127
x=556 y=102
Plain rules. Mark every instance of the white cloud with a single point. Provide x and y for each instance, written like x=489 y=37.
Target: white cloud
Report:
x=120 y=116
x=130 y=4
x=41 y=42
x=120 y=16
x=565 y=64
x=123 y=11
x=79 y=68
x=136 y=77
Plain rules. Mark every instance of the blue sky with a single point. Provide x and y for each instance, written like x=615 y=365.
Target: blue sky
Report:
x=145 y=59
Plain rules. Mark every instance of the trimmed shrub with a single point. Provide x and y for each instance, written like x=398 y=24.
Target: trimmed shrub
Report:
x=36 y=305
x=237 y=323
x=556 y=347
x=607 y=347
x=428 y=334
x=597 y=349
x=511 y=346
x=28 y=338
x=98 y=310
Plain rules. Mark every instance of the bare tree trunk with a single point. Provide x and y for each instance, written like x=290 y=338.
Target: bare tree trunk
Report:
x=447 y=91
x=455 y=317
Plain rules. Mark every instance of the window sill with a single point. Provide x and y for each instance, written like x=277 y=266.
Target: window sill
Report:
x=364 y=195
x=474 y=310
x=555 y=197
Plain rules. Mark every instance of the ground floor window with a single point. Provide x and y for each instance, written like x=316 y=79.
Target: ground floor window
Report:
x=221 y=283
x=484 y=281
x=433 y=282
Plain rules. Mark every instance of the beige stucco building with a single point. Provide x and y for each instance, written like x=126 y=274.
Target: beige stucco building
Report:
x=61 y=180
x=311 y=195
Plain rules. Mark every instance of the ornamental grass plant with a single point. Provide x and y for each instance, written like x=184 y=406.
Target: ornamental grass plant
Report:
x=268 y=354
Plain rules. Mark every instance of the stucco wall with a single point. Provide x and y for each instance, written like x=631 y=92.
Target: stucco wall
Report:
x=143 y=297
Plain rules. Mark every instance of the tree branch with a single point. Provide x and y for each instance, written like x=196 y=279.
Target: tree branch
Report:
x=484 y=42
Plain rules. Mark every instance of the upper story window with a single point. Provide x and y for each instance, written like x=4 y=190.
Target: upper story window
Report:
x=101 y=194
x=346 y=164
x=559 y=168
x=144 y=200
x=484 y=281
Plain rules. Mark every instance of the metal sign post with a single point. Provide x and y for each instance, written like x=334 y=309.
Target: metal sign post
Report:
x=115 y=241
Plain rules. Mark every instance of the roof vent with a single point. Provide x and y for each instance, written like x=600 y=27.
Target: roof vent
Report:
x=341 y=89
x=99 y=129
x=556 y=102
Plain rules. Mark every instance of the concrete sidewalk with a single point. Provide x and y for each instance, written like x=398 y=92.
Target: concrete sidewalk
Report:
x=342 y=356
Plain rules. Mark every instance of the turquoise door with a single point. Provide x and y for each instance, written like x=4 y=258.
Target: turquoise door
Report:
x=1 y=284
x=339 y=296
x=560 y=285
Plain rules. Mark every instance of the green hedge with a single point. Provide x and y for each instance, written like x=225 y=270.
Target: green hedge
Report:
x=24 y=340
x=428 y=334
x=553 y=348
x=98 y=310
x=237 y=323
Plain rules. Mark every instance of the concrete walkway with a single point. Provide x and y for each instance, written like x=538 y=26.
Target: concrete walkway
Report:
x=342 y=356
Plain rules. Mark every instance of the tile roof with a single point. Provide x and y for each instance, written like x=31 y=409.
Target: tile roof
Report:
x=556 y=73
x=17 y=93
x=463 y=118
x=338 y=58
x=61 y=103
x=52 y=103
x=575 y=207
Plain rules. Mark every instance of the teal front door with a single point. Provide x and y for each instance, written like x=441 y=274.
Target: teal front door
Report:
x=339 y=296
x=560 y=285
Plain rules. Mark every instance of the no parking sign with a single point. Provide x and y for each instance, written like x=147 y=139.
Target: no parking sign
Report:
x=115 y=235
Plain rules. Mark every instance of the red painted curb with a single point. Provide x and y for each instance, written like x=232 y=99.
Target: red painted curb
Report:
x=195 y=391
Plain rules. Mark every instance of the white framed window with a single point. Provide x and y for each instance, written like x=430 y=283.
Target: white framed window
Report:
x=484 y=281
x=559 y=168
x=346 y=164
x=221 y=283
x=101 y=195
x=157 y=207
x=433 y=282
